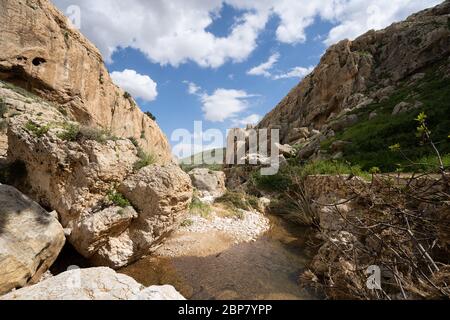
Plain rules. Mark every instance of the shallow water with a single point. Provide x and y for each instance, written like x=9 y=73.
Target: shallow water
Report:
x=214 y=268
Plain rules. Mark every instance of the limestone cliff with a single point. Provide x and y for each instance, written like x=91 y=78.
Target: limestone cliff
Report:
x=41 y=52
x=354 y=74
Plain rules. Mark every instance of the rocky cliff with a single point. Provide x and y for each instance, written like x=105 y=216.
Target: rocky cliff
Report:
x=41 y=52
x=353 y=75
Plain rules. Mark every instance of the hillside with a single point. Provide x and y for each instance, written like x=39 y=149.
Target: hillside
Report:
x=366 y=93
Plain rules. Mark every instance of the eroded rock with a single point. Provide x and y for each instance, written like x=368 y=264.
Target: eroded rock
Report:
x=30 y=240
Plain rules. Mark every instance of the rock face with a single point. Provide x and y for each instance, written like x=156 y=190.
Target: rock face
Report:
x=93 y=284
x=79 y=177
x=30 y=240
x=41 y=52
x=352 y=74
x=209 y=183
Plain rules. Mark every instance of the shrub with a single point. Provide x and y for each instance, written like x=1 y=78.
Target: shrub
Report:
x=145 y=159
x=35 y=129
x=150 y=115
x=73 y=132
x=236 y=200
x=134 y=141
x=187 y=223
x=70 y=132
x=118 y=199
x=199 y=208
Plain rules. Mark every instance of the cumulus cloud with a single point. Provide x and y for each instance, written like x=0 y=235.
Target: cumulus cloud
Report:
x=138 y=85
x=252 y=119
x=263 y=69
x=297 y=72
x=222 y=104
x=176 y=31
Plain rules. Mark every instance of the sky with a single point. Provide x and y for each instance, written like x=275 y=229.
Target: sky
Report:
x=225 y=63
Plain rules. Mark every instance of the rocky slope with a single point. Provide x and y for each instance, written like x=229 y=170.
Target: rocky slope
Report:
x=41 y=52
x=365 y=75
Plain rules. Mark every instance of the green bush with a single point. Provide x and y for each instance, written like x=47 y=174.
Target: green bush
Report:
x=118 y=199
x=237 y=200
x=74 y=132
x=70 y=133
x=150 y=115
x=145 y=159
x=36 y=129
x=199 y=208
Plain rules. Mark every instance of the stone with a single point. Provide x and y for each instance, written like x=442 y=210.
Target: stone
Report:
x=55 y=61
x=30 y=240
x=208 y=182
x=286 y=150
x=373 y=115
x=93 y=284
x=344 y=122
x=402 y=107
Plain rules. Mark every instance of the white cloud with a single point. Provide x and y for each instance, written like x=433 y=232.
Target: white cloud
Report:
x=224 y=104
x=192 y=88
x=297 y=72
x=251 y=119
x=138 y=85
x=176 y=31
x=263 y=69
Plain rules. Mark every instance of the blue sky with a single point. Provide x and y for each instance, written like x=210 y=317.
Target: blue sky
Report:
x=222 y=62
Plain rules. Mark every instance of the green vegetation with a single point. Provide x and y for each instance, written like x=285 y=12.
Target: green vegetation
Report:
x=199 y=208
x=150 y=115
x=36 y=129
x=70 y=132
x=237 y=200
x=74 y=132
x=134 y=141
x=118 y=199
x=371 y=138
x=127 y=95
x=187 y=223
x=145 y=159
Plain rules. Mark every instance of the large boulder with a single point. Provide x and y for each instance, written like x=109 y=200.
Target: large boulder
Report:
x=79 y=179
x=54 y=60
x=209 y=183
x=30 y=240
x=93 y=284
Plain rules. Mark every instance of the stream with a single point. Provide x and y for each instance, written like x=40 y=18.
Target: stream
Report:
x=211 y=266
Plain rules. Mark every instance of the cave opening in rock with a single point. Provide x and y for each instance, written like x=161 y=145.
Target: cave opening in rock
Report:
x=38 y=61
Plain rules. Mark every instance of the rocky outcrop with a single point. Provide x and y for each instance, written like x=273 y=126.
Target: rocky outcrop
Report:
x=93 y=284
x=30 y=240
x=41 y=52
x=353 y=74
x=210 y=184
x=78 y=170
